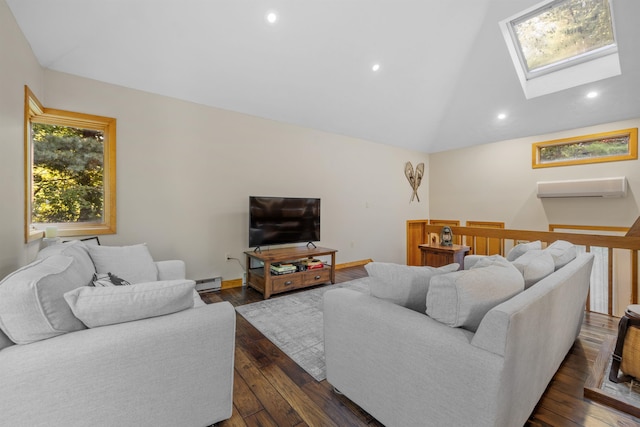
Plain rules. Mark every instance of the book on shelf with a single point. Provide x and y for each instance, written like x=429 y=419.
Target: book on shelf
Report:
x=280 y=268
x=280 y=273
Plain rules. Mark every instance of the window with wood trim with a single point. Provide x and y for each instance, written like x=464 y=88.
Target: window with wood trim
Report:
x=600 y=147
x=70 y=171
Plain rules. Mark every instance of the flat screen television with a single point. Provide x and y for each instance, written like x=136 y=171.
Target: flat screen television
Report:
x=282 y=220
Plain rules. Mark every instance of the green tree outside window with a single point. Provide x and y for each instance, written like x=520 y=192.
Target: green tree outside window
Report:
x=68 y=170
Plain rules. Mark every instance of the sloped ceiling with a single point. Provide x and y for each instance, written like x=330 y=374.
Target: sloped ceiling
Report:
x=445 y=72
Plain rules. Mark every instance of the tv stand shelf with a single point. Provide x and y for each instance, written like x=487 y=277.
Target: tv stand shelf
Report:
x=262 y=280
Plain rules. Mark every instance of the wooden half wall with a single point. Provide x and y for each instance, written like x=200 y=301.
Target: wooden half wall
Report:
x=421 y=231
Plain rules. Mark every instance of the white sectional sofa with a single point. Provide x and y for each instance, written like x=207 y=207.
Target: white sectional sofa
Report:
x=154 y=354
x=479 y=351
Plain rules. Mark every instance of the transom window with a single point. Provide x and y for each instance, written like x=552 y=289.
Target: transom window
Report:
x=69 y=171
x=597 y=148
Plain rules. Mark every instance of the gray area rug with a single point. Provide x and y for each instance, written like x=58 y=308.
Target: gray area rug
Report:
x=293 y=322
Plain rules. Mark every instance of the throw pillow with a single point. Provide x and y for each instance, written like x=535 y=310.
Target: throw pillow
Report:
x=489 y=260
x=117 y=304
x=534 y=266
x=518 y=250
x=462 y=298
x=32 y=305
x=403 y=285
x=108 y=280
x=563 y=252
x=131 y=263
x=75 y=249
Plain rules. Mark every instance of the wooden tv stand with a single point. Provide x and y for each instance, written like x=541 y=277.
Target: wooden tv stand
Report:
x=261 y=279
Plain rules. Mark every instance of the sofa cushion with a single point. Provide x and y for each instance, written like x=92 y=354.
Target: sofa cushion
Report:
x=32 y=305
x=534 y=266
x=462 y=298
x=76 y=249
x=117 y=304
x=4 y=340
x=521 y=248
x=131 y=263
x=403 y=285
x=563 y=252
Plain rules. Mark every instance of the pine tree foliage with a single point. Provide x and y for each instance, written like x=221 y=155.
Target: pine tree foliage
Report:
x=68 y=172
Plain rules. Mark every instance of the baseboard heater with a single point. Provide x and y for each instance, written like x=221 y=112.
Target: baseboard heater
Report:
x=212 y=284
x=597 y=187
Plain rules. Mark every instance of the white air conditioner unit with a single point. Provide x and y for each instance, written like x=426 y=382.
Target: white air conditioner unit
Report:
x=599 y=187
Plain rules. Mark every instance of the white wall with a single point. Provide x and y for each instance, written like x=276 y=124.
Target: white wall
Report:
x=495 y=182
x=18 y=67
x=186 y=171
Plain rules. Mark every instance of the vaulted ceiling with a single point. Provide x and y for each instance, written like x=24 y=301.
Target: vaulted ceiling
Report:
x=445 y=72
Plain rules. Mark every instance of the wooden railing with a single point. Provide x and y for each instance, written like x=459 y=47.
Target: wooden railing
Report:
x=421 y=232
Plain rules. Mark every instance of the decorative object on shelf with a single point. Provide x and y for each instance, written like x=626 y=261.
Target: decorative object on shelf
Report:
x=51 y=232
x=446 y=236
x=414 y=177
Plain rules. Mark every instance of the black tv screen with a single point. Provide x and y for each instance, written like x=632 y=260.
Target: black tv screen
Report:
x=281 y=220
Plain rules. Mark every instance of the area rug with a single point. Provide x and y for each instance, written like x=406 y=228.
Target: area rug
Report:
x=293 y=322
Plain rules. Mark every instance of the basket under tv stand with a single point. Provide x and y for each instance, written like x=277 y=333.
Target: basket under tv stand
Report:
x=261 y=279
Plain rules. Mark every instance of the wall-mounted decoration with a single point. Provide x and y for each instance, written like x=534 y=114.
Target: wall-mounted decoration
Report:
x=596 y=148
x=414 y=177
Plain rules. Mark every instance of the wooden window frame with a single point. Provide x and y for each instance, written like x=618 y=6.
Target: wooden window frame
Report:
x=35 y=112
x=632 y=154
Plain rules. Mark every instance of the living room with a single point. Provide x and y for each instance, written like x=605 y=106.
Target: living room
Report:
x=176 y=157
x=185 y=170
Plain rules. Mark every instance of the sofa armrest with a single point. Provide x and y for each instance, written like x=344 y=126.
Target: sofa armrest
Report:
x=163 y=371
x=399 y=365
x=171 y=269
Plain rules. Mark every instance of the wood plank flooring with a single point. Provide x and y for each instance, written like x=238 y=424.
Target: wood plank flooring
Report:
x=272 y=390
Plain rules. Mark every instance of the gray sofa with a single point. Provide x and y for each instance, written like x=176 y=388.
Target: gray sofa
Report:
x=172 y=366
x=408 y=369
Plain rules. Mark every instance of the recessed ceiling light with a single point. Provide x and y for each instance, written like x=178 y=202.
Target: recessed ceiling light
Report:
x=502 y=116
x=592 y=94
x=271 y=17
x=375 y=67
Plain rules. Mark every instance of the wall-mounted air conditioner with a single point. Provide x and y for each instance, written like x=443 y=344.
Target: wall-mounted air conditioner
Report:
x=598 y=187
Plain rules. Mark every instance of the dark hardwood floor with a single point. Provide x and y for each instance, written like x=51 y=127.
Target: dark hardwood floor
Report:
x=272 y=390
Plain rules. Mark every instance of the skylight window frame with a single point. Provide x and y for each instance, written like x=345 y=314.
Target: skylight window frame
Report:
x=599 y=64
x=564 y=63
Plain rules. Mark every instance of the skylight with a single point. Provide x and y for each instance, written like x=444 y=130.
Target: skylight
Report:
x=559 y=44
